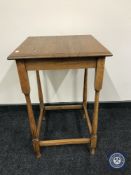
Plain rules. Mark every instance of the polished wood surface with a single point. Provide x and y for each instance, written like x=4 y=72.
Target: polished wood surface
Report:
x=59 y=47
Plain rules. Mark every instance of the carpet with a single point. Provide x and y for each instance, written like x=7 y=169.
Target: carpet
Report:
x=16 y=152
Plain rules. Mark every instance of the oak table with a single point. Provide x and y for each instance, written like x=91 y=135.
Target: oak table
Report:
x=60 y=52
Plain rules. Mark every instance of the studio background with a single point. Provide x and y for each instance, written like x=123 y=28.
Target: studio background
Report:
x=107 y=20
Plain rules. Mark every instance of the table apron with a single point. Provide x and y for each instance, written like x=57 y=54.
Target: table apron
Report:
x=43 y=64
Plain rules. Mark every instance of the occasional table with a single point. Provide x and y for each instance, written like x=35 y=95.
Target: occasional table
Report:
x=60 y=52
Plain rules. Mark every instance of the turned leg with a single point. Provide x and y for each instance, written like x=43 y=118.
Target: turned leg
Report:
x=24 y=81
x=85 y=102
x=98 y=85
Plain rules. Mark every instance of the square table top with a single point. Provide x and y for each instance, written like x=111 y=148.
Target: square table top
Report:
x=59 y=47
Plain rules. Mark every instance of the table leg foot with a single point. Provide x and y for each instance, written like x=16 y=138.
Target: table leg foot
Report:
x=38 y=155
x=93 y=144
x=36 y=148
x=93 y=151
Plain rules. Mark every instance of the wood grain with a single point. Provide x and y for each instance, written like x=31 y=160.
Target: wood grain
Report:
x=61 y=52
x=61 y=63
x=63 y=107
x=23 y=77
x=64 y=141
x=99 y=73
x=25 y=86
x=59 y=47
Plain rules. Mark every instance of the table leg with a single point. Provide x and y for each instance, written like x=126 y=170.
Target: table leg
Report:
x=25 y=86
x=98 y=85
x=85 y=88
x=42 y=107
x=40 y=94
x=86 y=116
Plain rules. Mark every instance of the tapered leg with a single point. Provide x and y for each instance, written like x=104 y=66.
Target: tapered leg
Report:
x=24 y=81
x=98 y=85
